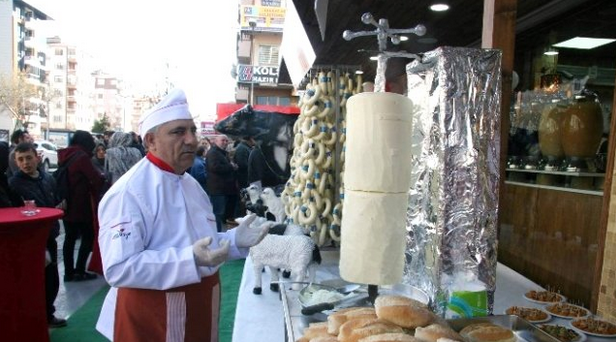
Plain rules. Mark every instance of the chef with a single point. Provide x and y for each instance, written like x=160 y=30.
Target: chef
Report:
x=159 y=245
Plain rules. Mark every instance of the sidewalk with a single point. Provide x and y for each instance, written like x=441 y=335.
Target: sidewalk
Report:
x=73 y=295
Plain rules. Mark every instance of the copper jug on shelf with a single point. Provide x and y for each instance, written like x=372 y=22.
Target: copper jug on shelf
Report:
x=581 y=131
x=550 y=136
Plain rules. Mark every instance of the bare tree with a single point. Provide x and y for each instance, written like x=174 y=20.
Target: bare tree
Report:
x=15 y=95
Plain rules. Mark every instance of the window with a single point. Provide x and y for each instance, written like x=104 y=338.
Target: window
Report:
x=273 y=101
x=268 y=55
x=59 y=105
x=58 y=79
x=57 y=118
x=59 y=52
x=60 y=66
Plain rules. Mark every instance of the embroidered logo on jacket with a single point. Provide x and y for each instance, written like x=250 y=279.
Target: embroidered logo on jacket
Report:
x=120 y=234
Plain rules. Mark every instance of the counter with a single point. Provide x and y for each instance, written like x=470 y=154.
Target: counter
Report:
x=263 y=316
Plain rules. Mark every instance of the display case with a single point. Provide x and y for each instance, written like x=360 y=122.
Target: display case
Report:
x=557 y=175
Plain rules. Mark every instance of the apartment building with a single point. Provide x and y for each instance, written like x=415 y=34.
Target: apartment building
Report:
x=258 y=46
x=23 y=49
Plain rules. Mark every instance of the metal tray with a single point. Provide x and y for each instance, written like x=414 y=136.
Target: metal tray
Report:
x=520 y=327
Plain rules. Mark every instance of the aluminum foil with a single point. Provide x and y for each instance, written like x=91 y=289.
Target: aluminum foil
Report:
x=453 y=199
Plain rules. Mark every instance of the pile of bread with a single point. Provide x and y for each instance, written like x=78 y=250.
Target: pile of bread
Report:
x=398 y=319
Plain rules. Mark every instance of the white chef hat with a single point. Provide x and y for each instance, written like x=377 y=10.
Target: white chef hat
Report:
x=172 y=107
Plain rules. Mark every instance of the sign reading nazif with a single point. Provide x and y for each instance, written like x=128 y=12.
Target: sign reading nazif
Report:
x=257 y=74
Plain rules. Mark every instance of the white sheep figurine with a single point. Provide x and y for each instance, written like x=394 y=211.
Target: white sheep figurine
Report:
x=274 y=204
x=254 y=192
x=297 y=253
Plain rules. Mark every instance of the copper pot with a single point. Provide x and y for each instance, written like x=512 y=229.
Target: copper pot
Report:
x=581 y=129
x=550 y=124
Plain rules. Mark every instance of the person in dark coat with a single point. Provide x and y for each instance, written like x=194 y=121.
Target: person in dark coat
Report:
x=34 y=184
x=8 y=197
x=199 y=169
x=242 y=153
x=222 y=180
x=85 y=184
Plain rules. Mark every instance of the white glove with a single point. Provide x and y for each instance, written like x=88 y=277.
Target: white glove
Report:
x=248 y=237
x=205 y=256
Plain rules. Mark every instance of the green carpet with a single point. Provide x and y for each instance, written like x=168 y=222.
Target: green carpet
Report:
x=82 y=324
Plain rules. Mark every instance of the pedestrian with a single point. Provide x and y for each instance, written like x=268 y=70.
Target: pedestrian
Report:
x=85 y=186
x=8 y=197
x=242 y=153
x=199 y=169
x=34 y=184
x=121 y=156
x=18 y=136
x=158 y=239
x=99 y=156
x=137 y=143
x=222 y=180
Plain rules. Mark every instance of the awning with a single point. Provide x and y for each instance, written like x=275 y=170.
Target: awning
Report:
x=225 y=109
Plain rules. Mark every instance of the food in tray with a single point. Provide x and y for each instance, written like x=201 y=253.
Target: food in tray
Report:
x=323 y=296
x=356 y=329
x=594 y=326
x=562 y=333
x=336 y=319
x=529 y=314
x=389 y=337
x=390 y=320
x=435 y=332
x=544 y=296
x=567 y=310
x=484 y=332
x=404 y=311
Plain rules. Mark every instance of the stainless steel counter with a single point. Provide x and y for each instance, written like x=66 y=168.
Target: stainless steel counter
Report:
x=273 y=317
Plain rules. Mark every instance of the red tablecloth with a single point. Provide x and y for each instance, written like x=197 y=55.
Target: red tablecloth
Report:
x=22 y=273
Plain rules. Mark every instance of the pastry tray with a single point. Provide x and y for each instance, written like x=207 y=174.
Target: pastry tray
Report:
x=523 y=330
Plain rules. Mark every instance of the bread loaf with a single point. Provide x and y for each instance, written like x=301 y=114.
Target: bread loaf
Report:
x=403 y=311
x=433 y=332
x=487 y=332
x=366 y=328
x=324 y=339
x=315 y=330
x=390 y=337
x=338 y=318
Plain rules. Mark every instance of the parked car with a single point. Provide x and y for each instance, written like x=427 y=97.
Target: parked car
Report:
x=48 y=153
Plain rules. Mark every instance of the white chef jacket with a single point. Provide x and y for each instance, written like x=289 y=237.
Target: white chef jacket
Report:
x=149 y=220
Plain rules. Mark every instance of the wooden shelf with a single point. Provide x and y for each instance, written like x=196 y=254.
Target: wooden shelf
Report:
x=560 y=173
x=557 y=188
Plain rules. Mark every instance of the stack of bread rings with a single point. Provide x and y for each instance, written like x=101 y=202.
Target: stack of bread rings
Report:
x=309 y=194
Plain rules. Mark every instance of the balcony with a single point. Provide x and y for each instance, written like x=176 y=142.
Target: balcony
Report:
x=243 y=51
x=241 y=94
x=71 y=83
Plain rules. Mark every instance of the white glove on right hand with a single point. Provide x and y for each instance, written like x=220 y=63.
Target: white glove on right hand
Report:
x=205 y=256
x=247 y=237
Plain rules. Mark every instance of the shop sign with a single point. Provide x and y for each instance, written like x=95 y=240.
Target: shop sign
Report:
x=257 y=74
x=267 y=18
x=207 y=127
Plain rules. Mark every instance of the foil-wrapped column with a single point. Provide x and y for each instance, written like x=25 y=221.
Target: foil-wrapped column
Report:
x=453 y=198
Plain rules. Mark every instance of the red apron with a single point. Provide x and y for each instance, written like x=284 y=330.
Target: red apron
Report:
x=183 y=314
